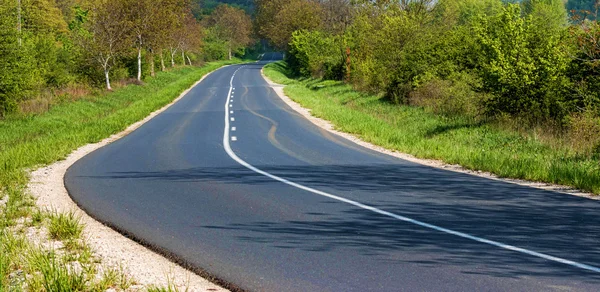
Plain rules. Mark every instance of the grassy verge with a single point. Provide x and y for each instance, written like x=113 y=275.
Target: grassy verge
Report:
x=61 y=260
x=476 y=146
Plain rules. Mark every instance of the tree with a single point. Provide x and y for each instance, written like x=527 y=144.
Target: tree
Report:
x=233 y=26
x=190 y=37
x=18 y=74
x=106 y=34
x=140 y=13
x=521 y=69
x=278 y=19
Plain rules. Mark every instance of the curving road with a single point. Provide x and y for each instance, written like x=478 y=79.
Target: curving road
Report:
x=259 y=197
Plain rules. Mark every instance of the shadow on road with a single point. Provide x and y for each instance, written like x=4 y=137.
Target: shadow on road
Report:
x=556 y=224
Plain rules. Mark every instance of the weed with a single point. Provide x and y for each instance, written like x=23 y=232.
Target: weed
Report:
x=65 y=226
x=114 y=278
x=57 y=276
x=37 y=216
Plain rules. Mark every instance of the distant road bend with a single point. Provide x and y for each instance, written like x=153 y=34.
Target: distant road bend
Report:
x=234 y=182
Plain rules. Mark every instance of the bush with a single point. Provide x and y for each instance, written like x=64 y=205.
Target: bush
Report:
x=316 y=54
x=523 y=68
x=449 y=98
x=584 y=132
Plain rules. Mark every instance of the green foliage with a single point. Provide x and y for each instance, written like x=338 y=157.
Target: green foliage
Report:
x=19 y=74
x=584 y=70
x=315 y=53
x=523 y=68
x=65 y=226
x=64 y=44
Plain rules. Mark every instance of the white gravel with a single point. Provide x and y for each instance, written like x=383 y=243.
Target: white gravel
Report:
x=146 y=267
x=429 y=162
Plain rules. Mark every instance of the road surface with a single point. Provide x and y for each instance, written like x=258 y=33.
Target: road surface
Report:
x=232 y=181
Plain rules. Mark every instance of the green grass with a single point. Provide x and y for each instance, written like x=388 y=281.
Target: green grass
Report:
x=412 y=130
x=28 y=142
x=65 y=226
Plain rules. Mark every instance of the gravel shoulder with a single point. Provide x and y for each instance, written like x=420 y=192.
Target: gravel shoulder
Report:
x=146 y=267
x=279 y=89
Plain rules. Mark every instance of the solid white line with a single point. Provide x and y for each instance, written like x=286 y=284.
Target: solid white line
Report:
x=231 y=154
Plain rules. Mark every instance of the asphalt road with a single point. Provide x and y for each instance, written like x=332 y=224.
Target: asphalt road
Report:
x=311 y=211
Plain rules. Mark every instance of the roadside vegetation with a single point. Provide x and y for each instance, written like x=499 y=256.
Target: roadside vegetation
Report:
x=484 y=146
x=509 y=87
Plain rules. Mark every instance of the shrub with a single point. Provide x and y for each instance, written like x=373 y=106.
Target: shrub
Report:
x=455 y=97
x=584 y=132
x=523 y=68
x=316 y=54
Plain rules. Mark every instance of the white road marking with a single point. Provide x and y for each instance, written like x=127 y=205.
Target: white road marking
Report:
x=231 y=105
x=233 y=129
x=233 y=119
x=233 y=138
x=232 y=154
x=231 y=112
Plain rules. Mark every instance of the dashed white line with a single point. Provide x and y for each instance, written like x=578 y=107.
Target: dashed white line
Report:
x=233 y=138
x=233 y=119
x=233 y=129
x=234 y=156
x=231 y=112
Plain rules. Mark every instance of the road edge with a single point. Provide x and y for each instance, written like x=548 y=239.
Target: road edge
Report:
x=328 y=126
x=144 y=264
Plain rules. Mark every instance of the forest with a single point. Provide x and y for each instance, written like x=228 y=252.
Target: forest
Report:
x=58 y=50
x=527 y=64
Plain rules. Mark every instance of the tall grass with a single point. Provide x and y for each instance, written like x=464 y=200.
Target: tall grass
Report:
x=412 y=130
x=65 y=226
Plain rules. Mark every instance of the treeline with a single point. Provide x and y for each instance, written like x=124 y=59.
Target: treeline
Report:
x=485 y=59
x=57 y=48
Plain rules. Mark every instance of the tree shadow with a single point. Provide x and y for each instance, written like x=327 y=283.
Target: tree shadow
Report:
x=456 y=125
x=547 y=222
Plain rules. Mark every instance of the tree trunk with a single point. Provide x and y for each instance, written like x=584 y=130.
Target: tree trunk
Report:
x=162 y=61
x=229 y=53
x=172 y=52
x=183 y=57
x=106 y=71
x=189 y=61
x=139 y=63
x=152 y=72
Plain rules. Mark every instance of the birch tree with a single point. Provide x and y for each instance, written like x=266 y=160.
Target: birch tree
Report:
x=107 y=34
x=142 y=16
